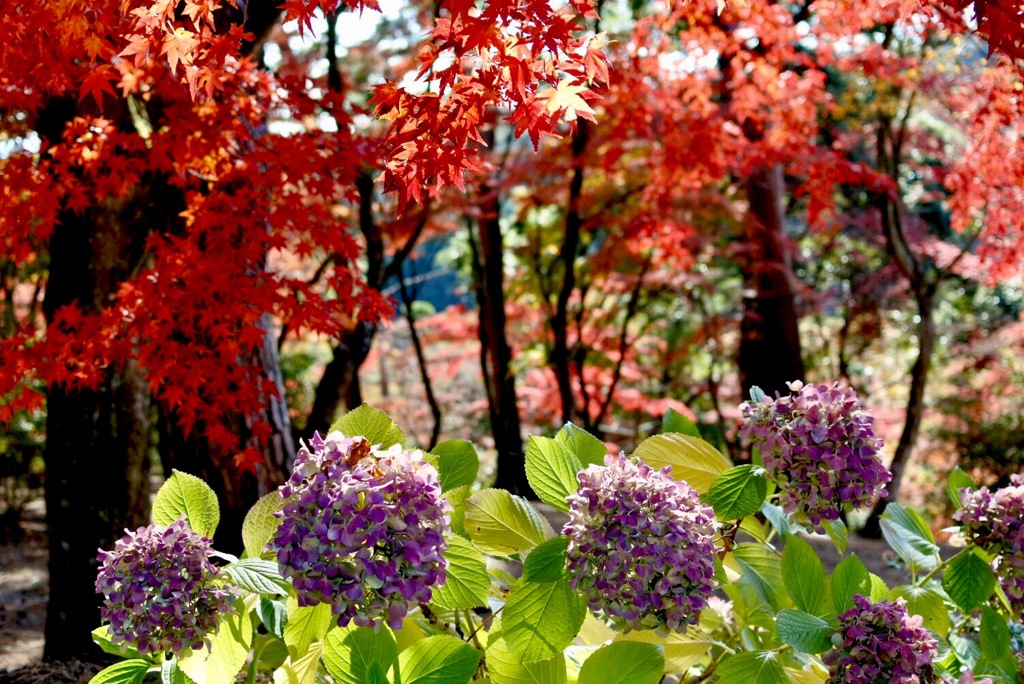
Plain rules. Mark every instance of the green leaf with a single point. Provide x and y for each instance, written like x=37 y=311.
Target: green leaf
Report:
x=624 y=662
x=757 y=667
x=439 y=659
x=968 y=580
x=777 y=517
x=373 y=424
x=546 y=563
x=878 y=590
x=274 y=616
x=229 y=648
x=125 y=672
x=850 y=578
x=692 y=460
x=501 y=524
x=839 y=533
x=994 y=635
x=542 y=618
x=927 y=603
x=681 y=651
x=551 y=469
x=467 y=585
x=260 y=524
x=300 y=670
x=101 y=637
x=588 y=449
x=505 y=668
x=457 y=498
x=804 y=576
x=955 y=481
x=350 y=653
x=675 y=422
x=762 y=572
x=803 y=631
x=910 y=537
x=457 y=463
x=306 y=624
x=170 y=673
x=738 y=492
x=258 y=576
x=184 y=494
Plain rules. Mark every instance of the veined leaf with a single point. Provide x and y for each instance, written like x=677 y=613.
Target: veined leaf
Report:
x=350 y=653
x=551 y=469
x=457 y=463
x=467 y=585
x=504 y=667
x=541 y=618
x=501 y=524
x=693 y=460
x=260 y=524
x=587 y=448
x=624 y=662
x=803 y=631
x=184 y=494
x=371 y=423
x=756 y=667
x=438 y=660
x=804 y=577
x=738 y=492
x=968 y=580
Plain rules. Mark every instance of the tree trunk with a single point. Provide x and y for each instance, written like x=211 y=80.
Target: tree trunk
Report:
x=339 y=386
x=559 y=321
x=97 y=446
x=769 y=354
x=495 y=352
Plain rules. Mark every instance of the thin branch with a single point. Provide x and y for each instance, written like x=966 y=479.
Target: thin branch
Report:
x=421 y=359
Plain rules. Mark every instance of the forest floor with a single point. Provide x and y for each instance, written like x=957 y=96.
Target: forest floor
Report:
x=23 y=599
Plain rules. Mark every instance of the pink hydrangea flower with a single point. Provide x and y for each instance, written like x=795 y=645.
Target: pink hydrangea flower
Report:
x=640 y=545
x=818 y=444
x=159 y=591
x=363 y=530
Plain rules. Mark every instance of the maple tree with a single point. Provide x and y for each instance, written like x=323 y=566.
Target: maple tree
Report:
x=146 y=178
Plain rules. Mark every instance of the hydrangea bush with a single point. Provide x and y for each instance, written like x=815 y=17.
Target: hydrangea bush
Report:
x=381 y=564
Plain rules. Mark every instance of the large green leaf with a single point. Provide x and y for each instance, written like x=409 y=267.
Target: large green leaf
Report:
x=849 y=579
x=624 y=662
x=184 y=494
x=457 y=463
x=541 y=618
x=968 y=580
x=994 y=635
x=501 y=524
x=260 y=524
x=587 y=448
x=756 y=667
x=546 y=563
x=738 y=492
x=681 y=651
x=761 y=571
x=909 y=536
x=274 y=616
x=674 y=421
x=467 y=585
x=258 y=575
x=351 y=653
x=300 y=670
x=839 y=533
x=803 y=631
x=229 y=648
x=373 y=424
x=551 y=468
x=306 y=624
x=125 y=672
x=804 y=576
x=504 y=667
x=693 y=460
x=928 y=604
x=439 y=659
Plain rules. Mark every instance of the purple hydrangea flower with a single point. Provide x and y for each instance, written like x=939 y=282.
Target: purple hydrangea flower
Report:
x=159 y=591
x=880 y=642
x=640 y=545
x=363 y=530
x=818 y=444
x=995 y=521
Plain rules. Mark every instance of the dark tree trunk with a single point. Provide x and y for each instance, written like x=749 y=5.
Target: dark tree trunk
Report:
x=559 y=321
x=495 y=352
x=97 y=446
x=769 y=354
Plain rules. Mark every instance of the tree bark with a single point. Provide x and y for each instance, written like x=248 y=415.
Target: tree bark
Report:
x=769 y=354
x=495 y=352
x=97 y=446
